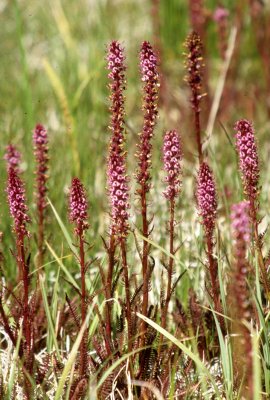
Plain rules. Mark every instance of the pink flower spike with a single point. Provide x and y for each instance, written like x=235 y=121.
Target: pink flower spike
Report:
x=248 y=156
x=172 y=155
x=150 y=79
x=206 y=197
x=17 y=204
x=78 y=206
x=116 y=164
x=13 y=158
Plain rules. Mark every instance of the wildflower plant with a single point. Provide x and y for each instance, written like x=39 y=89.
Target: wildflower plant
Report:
x=116 y=173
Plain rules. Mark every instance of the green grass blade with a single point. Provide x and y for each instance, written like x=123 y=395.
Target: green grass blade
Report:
x=49 y=317
x=61 y=265
x=64 y=229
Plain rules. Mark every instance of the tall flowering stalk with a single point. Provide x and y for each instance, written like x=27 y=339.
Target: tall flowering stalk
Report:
x=13 y=158
x=250 y=173
x=78 y=214
x=194 y=65
x=150 y=80
x=19 y=213
x=116 y=174
x=239 y=297
x=172 y=155
x=40 y=141
x=207 y=208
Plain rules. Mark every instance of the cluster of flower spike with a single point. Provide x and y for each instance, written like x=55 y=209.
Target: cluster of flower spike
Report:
x=116 y=165
x=150 y=78
x=78 y=206
x=172 y=154
x=13 y=157
x=206 y=197
x=17 y=204
x=248 y=156
x=40 y=140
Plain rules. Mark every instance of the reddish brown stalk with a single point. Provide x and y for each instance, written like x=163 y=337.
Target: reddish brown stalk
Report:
x=194 y=65
x=170 y=266
x=145 y=232
x=127 y=290
x=108 y=290
x=83 y=345
x=27 y=332
x=213 y=270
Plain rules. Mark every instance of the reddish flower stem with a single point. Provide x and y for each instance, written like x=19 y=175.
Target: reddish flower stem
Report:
x=108 y=288
x=145 y=231
x=213 y=270
x=83 y=345
x=127 y=289
x=170 y=271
